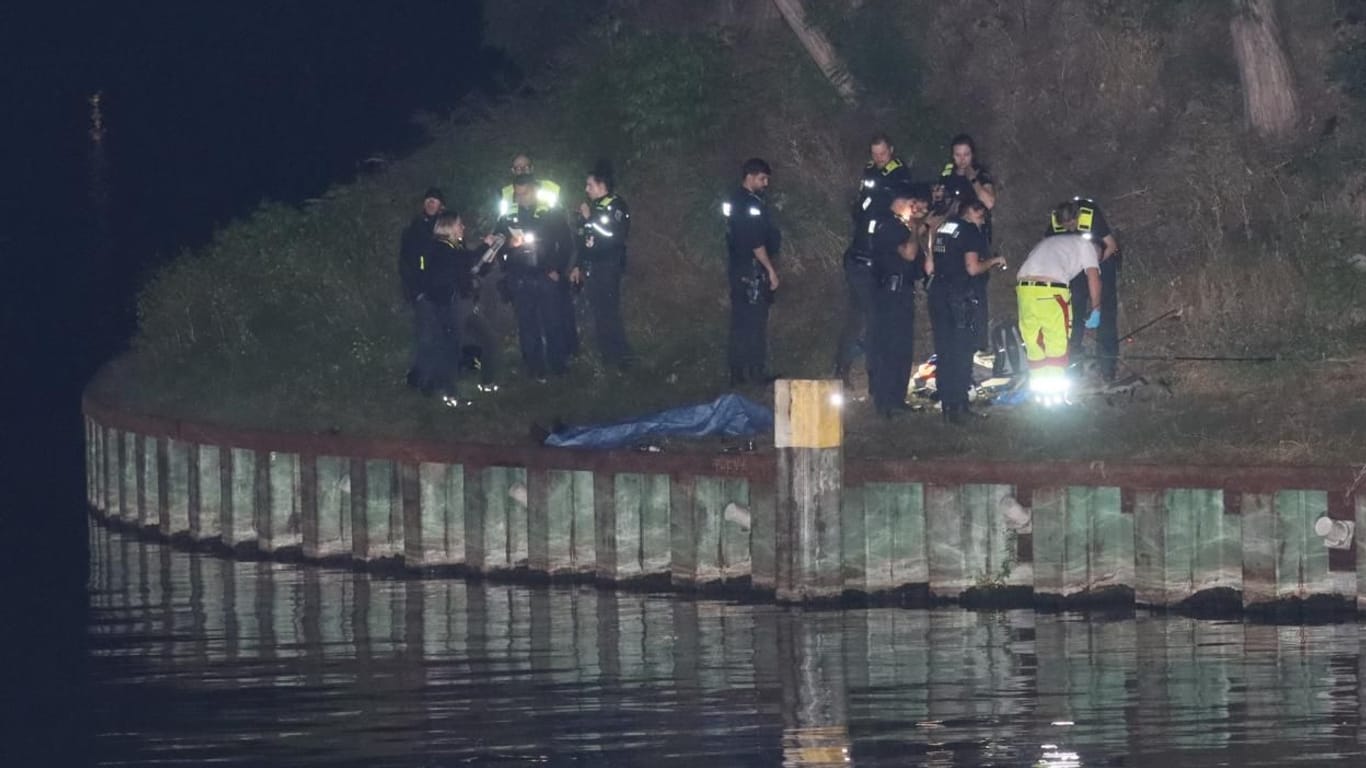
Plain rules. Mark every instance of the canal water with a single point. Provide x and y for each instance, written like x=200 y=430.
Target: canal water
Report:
x=196 y=659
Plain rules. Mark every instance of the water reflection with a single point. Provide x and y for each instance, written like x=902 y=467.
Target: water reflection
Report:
x=199 y=659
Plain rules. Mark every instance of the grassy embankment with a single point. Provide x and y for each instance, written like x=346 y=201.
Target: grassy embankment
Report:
x=291 y=319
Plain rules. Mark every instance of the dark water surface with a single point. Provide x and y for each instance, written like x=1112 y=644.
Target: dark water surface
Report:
x=197 y=659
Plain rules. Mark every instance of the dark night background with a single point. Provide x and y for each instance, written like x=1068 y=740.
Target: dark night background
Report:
x=209 y=108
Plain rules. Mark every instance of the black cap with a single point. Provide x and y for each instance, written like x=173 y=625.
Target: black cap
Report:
x=434 y=193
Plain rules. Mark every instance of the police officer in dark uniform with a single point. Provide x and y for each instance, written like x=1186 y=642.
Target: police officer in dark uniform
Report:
x=602 y=261
x=416 y=238
x=959 y=254
x=883 y=173
x=413 y=243
x=536 y=260
x=898 y=263
x=547 y=196
x=752 y=243
x=965 y=179
x=1091 y=224
x=445 y=306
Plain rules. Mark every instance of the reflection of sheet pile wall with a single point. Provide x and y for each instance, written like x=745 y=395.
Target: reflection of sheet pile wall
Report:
x=964 y=687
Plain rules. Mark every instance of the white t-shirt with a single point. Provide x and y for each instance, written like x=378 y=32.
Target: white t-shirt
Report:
x=1060 y=258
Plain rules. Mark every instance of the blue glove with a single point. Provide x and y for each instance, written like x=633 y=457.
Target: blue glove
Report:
x=1093 y=320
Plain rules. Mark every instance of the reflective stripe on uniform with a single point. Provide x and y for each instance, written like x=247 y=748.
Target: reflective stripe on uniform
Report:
x=1085 y=216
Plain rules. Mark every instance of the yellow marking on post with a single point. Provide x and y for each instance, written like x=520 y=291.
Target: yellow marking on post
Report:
x=808 y=413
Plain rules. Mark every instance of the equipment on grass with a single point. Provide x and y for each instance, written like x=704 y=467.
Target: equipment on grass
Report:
x=1009 y=358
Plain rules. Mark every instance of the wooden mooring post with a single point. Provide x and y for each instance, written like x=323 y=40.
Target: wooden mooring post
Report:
x=809 y=435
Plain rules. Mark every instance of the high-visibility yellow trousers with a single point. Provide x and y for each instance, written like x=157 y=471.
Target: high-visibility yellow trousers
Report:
x=1045 y=324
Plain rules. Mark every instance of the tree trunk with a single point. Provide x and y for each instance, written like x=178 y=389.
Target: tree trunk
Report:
x=819 y=48
x=1268 y=85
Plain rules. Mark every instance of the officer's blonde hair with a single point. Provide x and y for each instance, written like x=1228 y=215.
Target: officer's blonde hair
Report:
x=444 y=226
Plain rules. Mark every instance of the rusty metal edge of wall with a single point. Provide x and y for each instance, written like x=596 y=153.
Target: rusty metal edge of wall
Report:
x=754 y=466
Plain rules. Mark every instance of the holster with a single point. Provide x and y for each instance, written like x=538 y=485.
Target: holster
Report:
x=857 y=256
x=753 y=290
x=964 y=309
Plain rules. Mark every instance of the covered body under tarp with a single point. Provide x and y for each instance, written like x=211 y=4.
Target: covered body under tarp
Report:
x=729 y=415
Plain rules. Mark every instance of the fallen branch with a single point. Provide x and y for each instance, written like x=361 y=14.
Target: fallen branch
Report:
x=820 y=50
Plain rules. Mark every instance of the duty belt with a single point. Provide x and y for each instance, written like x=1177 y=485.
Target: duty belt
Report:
x=1041 y=284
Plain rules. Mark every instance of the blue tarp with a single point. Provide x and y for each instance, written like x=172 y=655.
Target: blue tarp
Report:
x=729 y=415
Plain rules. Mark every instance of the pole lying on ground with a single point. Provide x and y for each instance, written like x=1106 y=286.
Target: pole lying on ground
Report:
x=1203 y=358
x=1169 y=313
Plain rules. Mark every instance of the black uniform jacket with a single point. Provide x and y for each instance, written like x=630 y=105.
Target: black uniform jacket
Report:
x=444 y=271
x=414 y=242
x=748 y=226
x=959 y=188
x=953 y=241
x=547 y=243
x=889 y=269
x=874 y=198
x=602 y=237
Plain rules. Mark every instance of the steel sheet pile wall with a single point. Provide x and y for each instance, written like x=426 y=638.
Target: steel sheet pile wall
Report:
x=913 y=530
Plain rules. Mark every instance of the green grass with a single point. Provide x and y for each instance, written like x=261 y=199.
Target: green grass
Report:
x=291 y=318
